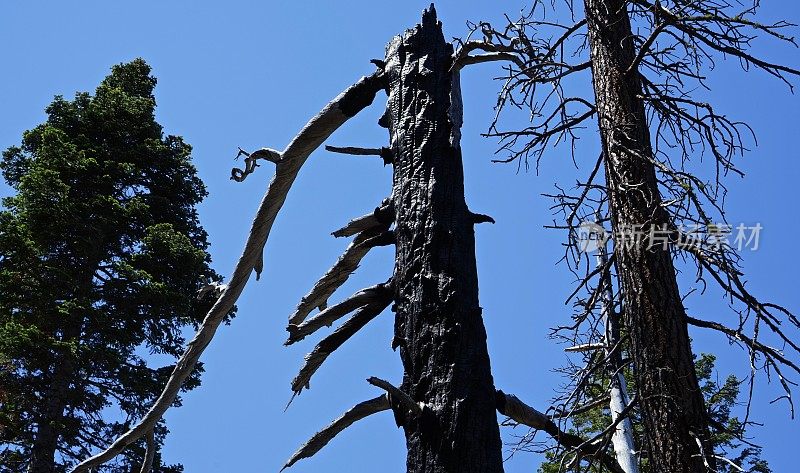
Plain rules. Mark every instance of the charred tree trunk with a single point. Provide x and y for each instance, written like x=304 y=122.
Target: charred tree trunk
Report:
x=439 y=328
x=673 y=411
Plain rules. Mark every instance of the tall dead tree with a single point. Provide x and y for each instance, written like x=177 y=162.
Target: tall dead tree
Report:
x=645 y=60
x=438 y=325
x=446 y=403
x=672 y=405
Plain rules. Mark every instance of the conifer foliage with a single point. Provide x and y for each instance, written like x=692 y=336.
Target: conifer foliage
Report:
x=101 y=259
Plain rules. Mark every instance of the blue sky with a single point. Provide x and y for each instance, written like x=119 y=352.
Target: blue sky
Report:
x=250 y=74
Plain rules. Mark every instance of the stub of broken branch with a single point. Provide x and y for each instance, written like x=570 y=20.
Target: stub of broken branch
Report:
x=321 y=438
x=481 y=218
x=385 y=153
x=314 y=133
x=382 y=215
x=396 y=394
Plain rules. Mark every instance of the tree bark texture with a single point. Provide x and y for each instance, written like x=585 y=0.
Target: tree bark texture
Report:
x=671 y=402
x=438 y=325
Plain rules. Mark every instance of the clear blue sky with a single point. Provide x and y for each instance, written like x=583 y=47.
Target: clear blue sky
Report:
x=250 y=74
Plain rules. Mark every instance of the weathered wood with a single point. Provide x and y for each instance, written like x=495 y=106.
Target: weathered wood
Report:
x=438 y=324
x=321 y=438
x=397 y=395
x=333 y=341
x=325 y=318
x=382 y=215
x=622 y=439
x=149 y=452
x=318 y=296
x=384 y=153
x=516 y=410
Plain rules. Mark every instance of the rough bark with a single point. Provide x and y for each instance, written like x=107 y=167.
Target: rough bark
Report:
x=671 y=402
x=438 y=326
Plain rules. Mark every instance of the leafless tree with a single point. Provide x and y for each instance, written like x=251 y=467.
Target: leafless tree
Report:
x=646 y=62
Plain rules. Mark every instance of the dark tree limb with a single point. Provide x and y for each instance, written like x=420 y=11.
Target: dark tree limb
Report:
x=385 y=153
x=481 y=218
x=379 y=293
x=333 y=341
x=509 y=405
x=354 y=414
x=316 y=131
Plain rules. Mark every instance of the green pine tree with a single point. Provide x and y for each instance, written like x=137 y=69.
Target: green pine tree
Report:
x=721 y=398
x=101 y=258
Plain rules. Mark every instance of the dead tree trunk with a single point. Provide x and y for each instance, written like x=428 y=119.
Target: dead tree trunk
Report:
x=438 y=328
x=673 y=411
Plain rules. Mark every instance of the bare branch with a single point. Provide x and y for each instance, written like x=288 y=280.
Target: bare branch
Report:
x=341 y=271
x=370 y=295
x=397 y=395
x=321 y=438
x=385 y=153
x=509 y=405
x=336 y=339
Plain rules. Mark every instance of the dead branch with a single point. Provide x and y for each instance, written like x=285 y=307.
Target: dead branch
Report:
x=341 y=271
x=382 y=215
x=385 y=153
x=379 y=293
x=149 y=453
x=250 y=162
x=338 y=111
x=336 y=339
x=354 y=414
x=396 y=394
x=509 y=405
x=585 y=347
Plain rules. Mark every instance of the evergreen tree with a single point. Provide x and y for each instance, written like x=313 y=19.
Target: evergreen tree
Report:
x=721 y=398
x=101 y=258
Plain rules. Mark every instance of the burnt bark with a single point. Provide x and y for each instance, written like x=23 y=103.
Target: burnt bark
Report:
x=438 y=326
x=671 y=402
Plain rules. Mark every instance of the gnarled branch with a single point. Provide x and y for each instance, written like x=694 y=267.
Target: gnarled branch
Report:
x=321 y=438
